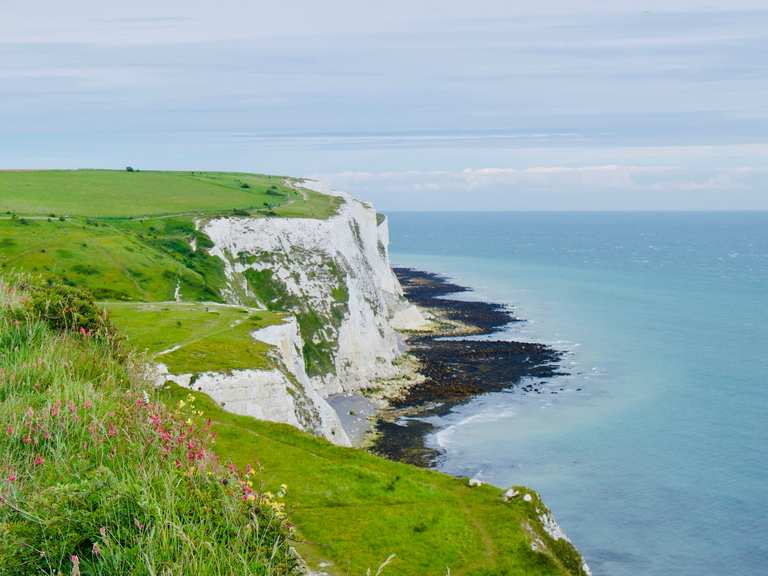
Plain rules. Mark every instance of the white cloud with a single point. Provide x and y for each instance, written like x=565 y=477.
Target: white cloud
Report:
x=587 y=187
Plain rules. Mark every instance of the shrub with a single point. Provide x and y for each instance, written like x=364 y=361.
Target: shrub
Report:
x=68 y=308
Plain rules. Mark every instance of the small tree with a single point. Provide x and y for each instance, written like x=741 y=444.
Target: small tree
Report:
x=129 y=169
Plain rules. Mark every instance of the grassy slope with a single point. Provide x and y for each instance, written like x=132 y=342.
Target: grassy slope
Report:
x=98 y=478
x=209 y=337
x=121 y=194
x=354 y=509
x=109 y=244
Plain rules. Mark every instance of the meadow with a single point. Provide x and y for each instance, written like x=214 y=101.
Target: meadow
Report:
x=122 y=194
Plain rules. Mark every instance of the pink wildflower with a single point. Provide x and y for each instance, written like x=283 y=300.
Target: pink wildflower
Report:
x=55 y=409
x=111 y=430
x=12 y=476
x=39 y=460
x=88 y=404
x=9 y=430
x=96 y=549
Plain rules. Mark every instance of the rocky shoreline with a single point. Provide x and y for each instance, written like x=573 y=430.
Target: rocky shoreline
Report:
x=453 y=367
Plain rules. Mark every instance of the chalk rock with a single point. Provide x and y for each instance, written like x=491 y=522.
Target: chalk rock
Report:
x=509 y=494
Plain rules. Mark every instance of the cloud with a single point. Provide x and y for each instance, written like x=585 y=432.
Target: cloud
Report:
x=559 y=187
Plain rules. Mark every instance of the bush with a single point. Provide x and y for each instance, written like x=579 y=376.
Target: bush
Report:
x=68 y=308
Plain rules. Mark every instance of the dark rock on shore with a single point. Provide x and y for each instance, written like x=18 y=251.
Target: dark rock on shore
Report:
x=456 y=369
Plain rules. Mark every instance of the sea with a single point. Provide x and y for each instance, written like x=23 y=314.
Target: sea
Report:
x=652 y=448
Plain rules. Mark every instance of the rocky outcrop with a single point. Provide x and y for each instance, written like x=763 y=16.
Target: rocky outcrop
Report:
x=334 y=277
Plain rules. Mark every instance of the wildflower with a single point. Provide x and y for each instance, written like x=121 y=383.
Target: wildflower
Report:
x=248 y=470
x=71 y=407
x=75 y=565
x=111 y=430
x=103 y=532
x=39 y=460
x=88 y=405
x=12 y=476
x=146 y=397
x=251 y=497
x=27 y=439
x=9 y=430
x=55 y=409
x=96 y=549
x=138 y=524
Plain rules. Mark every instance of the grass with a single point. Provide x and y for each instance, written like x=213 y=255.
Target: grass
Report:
x=115 y=263
x=99 y=478
x=112 y=193
x=204 y=337
x=354 y=509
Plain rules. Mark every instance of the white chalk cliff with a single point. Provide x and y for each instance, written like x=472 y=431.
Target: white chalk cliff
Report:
x=336 y=274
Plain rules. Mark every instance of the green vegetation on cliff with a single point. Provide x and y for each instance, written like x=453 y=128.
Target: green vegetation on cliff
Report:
x=118 y=193
x=353 y=509
x=192 y=337
x=97 y=477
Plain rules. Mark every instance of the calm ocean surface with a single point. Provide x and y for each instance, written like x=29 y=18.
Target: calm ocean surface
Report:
x=659 y=464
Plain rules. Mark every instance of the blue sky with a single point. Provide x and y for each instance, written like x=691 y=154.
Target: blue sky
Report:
x=414 y=105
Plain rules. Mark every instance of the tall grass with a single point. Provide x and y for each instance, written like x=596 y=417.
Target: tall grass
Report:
x=98 y=477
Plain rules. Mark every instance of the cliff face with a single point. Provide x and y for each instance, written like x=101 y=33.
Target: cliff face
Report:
x=334 y=279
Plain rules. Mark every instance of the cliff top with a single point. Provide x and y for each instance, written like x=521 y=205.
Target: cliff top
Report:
x=124 y=194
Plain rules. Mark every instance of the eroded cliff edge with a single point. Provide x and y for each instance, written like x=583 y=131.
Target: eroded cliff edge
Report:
x=343 y=305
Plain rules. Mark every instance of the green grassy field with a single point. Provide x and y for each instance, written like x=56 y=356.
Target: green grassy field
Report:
x=118 y=193
x=112 y=259
x=354 y=510
x=204 y=337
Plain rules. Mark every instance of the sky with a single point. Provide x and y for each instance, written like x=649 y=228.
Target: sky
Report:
x=414 y=105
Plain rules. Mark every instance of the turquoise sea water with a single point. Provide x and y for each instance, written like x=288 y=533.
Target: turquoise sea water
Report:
x=659 y=464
